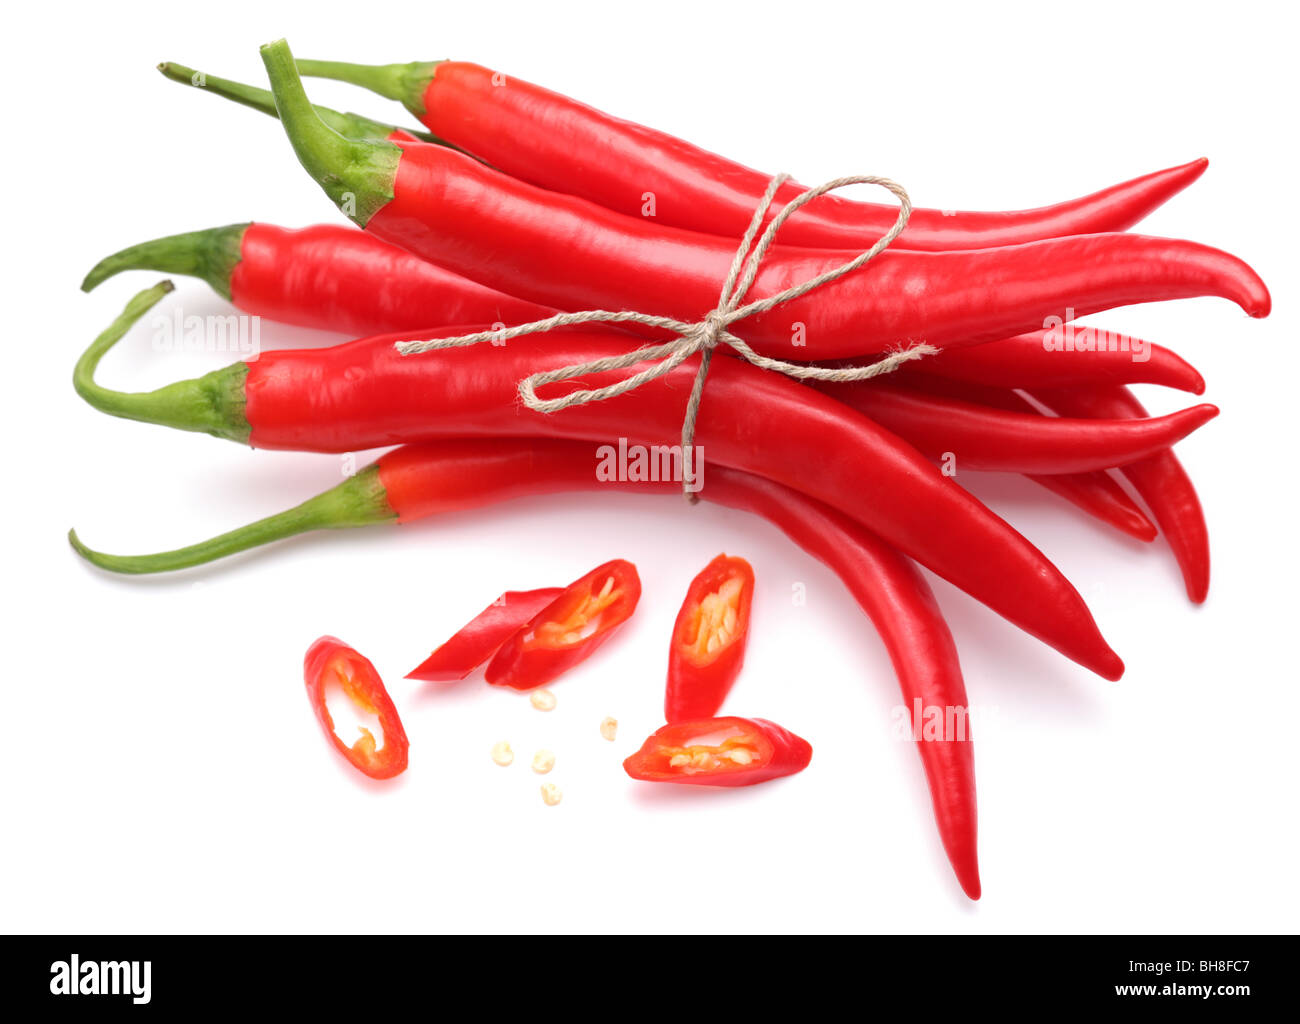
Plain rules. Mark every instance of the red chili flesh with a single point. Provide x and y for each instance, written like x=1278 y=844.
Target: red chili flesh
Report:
x=707 y=649
x=719 y=752
x=476 y=641
x=569 y=629
x=329 y=660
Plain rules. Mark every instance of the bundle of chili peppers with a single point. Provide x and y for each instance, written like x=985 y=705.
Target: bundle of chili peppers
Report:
x=517 y=204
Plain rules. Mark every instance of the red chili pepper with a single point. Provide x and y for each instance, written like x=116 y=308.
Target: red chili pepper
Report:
x=1097 y=493
x=568 y=253
x=560 y=144
x=709 y=638
x=476 y=641
x=719 y=752
x=569 y=630
x=984 y=438
x=422 y=480
x=332 y=661
x=1160 y=480
x=365 y=395
x=329 y=276
x=1036 y=360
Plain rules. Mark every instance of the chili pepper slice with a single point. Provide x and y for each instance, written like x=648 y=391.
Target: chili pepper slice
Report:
x=560 y=144
x=365 y=395
x=719 y=752
x=566 y=252
x=422 y=480
x=481 y=637
x=569 y=630
x=329 y=661
x=709 y=638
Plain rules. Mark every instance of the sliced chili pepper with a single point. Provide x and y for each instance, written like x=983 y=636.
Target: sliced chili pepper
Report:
x=569 y=630
x=427 y=479
x=329 y=276
x=1160 y=480
x=332 y=661
x=476 y=641
x=568 y=253
x=719 y=752
x=365 y=394
x=709 y=638
x=560 y=144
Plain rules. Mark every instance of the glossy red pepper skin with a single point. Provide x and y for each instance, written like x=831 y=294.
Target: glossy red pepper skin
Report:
x=365 y=395
x=362 y=684
x=1160 y=480
x=984 y=438
x=560 y=144
x=699 y=681
x=566 y=252
x=330 y=277
x=1035 y=360
x=776 y=752
x=1098 y=493
x=336 y=278
x=476 y=641
x=530 y=657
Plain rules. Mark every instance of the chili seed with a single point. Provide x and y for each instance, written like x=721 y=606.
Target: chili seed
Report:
x=502 y=754
x=551 y=794
x=543 y=762
x=542 y=700
x=609 y=728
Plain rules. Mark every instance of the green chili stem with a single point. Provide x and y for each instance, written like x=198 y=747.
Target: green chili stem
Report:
x=405 y=83
x=211 y=255
x=357 y=174
x=212 y=404
x=353 y=126
x=358 y=501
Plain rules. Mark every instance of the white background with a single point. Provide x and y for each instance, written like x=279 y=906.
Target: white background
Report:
x=160 y=767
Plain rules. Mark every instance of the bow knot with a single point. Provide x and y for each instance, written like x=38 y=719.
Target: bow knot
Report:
x=706 y=334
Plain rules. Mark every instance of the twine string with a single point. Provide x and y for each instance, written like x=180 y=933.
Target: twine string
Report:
x=705 y=335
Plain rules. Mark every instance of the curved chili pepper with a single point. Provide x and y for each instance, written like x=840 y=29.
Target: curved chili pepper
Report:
x=568 y=630
x=423 y=480
x=709 y=637
x=1036 y=360
x=329 y=276
x=476 y=641
x=1160 y=480
x=330 y=660
x=984 y=438
x=560 y=144
x=365 y=395
x=719 y=752
x=1098 y=493
x=354 y=126
x=568 y=253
